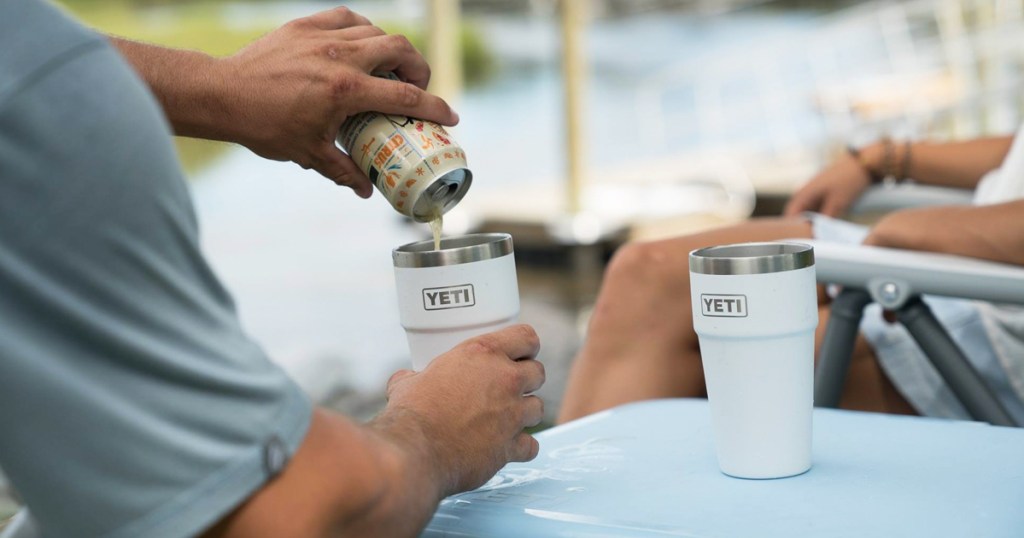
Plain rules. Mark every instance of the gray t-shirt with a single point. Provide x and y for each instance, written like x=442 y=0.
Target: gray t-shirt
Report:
x=131 y=401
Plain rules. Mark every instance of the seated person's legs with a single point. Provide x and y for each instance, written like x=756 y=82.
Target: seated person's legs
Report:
x=640 y=342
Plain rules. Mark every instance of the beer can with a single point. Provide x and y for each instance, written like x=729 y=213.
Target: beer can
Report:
x=414 y=163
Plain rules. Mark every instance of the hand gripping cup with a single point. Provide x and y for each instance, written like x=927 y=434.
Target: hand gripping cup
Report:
x=755 y=310
x=465 y=289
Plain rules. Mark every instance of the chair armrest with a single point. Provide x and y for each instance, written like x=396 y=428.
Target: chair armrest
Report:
x=885 y=198
x=914 y=272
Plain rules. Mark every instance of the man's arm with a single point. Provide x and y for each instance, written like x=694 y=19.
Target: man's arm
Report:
x=187 y=83
x=446 y=429
x=285 y=95
x=951 y=164
x=990 y=232
x=958 y=165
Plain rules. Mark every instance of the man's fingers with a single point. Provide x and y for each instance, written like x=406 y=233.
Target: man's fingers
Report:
x=515 y=342
x=396 y=378
x=792 y=208
x=356 y=33
x=418 y=76
x=394 y=53
x=333 y=164
x=400 y=98
x=834 y=206
x=534 y=412
x=337 y=18
x=800 y=202
x=533 y=374
x=524 y=448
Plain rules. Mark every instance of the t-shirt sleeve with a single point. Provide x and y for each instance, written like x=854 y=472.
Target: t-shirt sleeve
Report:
x=1005 y=183
x=132 y=401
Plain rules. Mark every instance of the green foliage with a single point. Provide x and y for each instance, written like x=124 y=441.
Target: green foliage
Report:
x=7 y=509
x=195 y=153
x=477 y=59
x=196 y=26
x=538 y=428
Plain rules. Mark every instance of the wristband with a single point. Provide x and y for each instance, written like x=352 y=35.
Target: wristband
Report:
x=905 y=164
x=862 y=161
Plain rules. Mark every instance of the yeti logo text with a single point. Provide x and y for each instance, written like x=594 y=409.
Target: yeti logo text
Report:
x=460 y=296
x=723 y=306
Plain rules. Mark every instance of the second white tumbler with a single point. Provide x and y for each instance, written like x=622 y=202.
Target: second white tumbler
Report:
x=755 y=310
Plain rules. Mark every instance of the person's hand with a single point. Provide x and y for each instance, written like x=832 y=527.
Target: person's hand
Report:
x=470 y=406
x=833 y=190
x=444 y=430
x=292 y=89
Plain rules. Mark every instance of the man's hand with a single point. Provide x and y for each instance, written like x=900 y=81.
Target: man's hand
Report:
x=446 y=429
x=297 y=85
x=469 y=407
x=833 y=190
x=286 y=95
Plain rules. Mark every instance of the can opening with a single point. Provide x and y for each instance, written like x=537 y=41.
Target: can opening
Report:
x=442 y=195
x=445 y=191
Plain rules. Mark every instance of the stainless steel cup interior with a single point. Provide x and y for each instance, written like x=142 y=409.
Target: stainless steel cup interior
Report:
x=454 y=250
x=442 y=194
x=751 y=258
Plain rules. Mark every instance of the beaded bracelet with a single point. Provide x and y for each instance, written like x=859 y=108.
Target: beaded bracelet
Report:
x=890 y=171
x=862 y=161
x=905 y=168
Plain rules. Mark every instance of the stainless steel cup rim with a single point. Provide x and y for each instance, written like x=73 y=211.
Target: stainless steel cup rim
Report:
x=751 y=258
x=454 y=250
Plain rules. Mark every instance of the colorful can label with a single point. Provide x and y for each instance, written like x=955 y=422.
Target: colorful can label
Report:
x=414 y=163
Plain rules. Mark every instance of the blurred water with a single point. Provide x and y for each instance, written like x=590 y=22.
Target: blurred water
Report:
x=309 y=264
x=512 y=128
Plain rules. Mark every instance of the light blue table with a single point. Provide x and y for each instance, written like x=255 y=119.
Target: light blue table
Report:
x=648 y=469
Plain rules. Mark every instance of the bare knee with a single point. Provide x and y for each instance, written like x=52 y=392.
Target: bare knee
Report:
x=646 y=290
x=654 y=266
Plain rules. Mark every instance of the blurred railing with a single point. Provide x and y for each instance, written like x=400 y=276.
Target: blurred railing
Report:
x=936 y=68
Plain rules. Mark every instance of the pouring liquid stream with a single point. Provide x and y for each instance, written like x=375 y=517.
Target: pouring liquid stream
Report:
x=435 y=226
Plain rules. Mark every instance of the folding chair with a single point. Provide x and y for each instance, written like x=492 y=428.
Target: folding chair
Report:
x=895 y=279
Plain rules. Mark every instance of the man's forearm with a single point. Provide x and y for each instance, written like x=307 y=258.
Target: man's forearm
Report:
x=285 y=95
x=957 y=164
x=994 y=232
x=345 y=480
x=946 y=164
x=187 y=84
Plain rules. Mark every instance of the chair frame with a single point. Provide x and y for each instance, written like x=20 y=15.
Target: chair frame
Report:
x=896 y=279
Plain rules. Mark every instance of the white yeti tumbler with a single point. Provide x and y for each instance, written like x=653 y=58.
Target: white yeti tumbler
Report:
x=755 y=310
x=465 y=289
